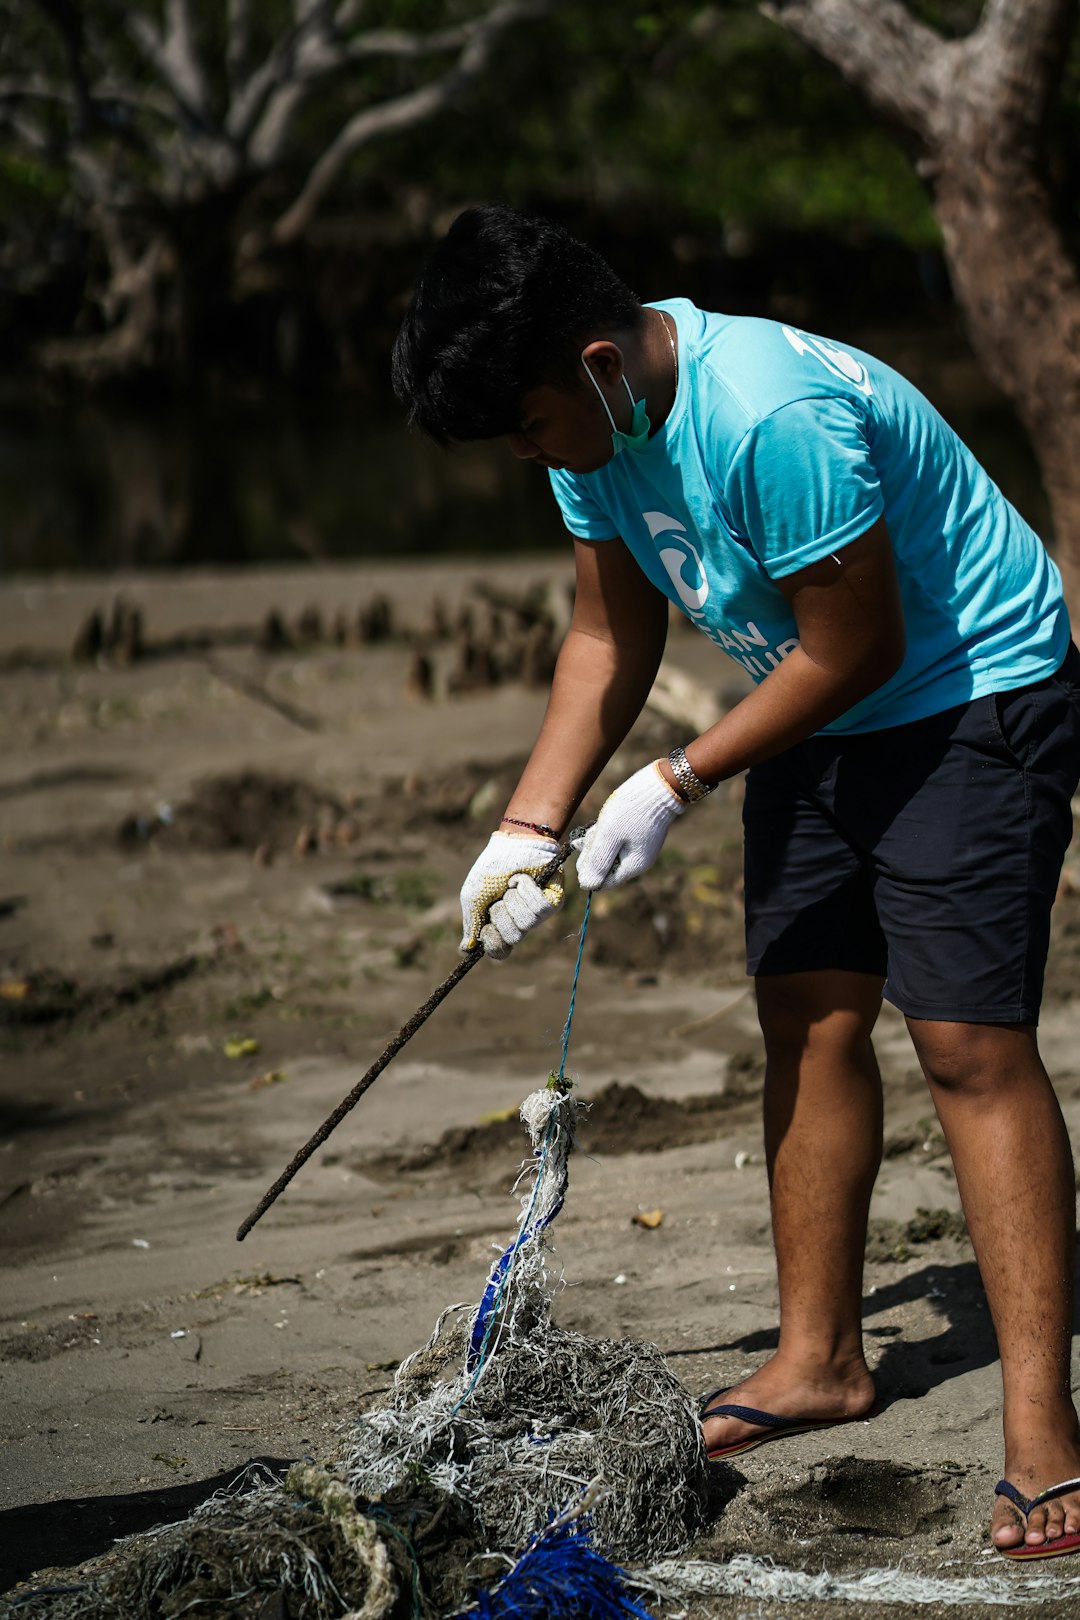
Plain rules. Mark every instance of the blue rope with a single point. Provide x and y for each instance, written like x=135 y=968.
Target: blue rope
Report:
x=573 y=988
x=559 y=1576
x=502 y=1271
x=499 y=1280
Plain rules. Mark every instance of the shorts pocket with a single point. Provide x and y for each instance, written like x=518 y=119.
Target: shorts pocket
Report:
x=1067 y=679
x=1034 y=723
x=1000 y=708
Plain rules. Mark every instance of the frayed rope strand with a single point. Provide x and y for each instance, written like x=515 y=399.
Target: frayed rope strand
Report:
x=502 y=1273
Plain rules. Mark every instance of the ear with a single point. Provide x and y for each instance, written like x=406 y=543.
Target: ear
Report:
x=605 y=360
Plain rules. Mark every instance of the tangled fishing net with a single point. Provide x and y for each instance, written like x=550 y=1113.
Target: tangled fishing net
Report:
x=508 y=1447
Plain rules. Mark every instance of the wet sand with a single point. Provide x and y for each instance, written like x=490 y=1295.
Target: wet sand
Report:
x=220 y=895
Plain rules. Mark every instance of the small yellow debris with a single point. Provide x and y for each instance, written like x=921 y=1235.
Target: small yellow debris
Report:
x=241 y=1046
x=650 y=1219
x=14 y=989
x=272 y=1077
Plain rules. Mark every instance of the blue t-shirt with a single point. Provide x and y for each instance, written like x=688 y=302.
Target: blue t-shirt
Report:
x=780 y=449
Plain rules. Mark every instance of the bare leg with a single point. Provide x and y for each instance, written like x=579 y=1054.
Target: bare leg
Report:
x=1014 y=1168
x=823 y=1146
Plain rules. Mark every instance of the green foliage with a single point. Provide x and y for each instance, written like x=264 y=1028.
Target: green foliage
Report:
x=26 y=179
x=714 y=111
x=703 y=123
x=715 y=114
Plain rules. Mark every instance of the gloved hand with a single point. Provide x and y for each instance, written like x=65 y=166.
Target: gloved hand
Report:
x=500 y=901
x=629 y=832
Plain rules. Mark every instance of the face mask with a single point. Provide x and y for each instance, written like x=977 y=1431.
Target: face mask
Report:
x=640 y=426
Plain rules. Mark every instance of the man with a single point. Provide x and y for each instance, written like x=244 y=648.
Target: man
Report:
x=912 y=744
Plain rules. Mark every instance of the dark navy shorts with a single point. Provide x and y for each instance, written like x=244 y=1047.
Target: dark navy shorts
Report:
x=927 y=853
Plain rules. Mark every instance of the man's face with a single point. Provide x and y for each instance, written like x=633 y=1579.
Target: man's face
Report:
x=563 y=427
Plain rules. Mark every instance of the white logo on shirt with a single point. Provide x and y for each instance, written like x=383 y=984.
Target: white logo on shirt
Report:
x=838 y=361
x=682 y=561
x=684 y=567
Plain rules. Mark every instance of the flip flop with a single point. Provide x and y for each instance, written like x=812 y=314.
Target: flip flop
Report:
x=1044 y=1549
x=779 y=1428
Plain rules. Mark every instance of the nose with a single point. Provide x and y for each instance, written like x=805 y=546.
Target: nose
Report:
x=522 y=446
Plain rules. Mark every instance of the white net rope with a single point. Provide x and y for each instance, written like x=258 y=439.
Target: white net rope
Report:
x=490 y=1430
x=536 y=1413
x=675 y=1580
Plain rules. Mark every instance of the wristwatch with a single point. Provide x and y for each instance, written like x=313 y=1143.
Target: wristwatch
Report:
x=691 y=786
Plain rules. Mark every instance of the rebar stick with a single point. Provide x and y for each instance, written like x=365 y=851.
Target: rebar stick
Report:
x=404 y=1034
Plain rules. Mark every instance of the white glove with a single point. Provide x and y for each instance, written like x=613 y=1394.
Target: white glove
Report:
x=629 y=832
x=499 y=900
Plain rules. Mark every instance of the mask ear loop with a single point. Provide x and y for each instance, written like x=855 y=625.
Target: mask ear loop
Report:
x=600 y=391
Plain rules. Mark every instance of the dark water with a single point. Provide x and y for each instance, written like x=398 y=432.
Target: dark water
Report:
x=98 y=486
x=104 y=485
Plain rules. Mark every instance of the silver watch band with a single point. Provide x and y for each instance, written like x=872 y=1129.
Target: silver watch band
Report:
x=690 y=784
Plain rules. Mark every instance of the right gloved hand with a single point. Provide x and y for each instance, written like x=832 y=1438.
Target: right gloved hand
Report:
x=500 y=901
x=629 y=832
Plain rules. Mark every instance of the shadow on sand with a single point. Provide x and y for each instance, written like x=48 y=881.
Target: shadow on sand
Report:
x=47 y=1535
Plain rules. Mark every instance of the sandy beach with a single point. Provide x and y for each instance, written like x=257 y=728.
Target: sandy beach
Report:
x=228 y=874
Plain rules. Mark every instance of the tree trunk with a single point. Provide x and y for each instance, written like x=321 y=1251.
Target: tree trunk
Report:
x=977 y=108
x=1020 y=295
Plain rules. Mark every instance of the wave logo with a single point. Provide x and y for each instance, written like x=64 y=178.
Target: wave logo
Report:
x=681 y=559
x=838 y=361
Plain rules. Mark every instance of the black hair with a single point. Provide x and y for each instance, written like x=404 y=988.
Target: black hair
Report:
x=503 y=303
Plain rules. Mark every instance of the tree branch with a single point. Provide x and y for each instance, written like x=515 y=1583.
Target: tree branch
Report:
x=310 y=57
x=404 y=112
x=165 y=57
x=107 y=97
x=348 y=14
x=902 y=67
x=1020 y=25
x=250 y=101
x=395 y=42
x=1008 y=67
x=31 y=134
x=238 y=40
x=180 y=57
x=34 y=88
x=1021 y=47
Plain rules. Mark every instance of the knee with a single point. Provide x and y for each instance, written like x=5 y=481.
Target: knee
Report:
x=973 y=1059
x=797 y=1018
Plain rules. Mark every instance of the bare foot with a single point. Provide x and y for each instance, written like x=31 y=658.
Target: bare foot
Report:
x=1032 y=1471
x=826 y=1394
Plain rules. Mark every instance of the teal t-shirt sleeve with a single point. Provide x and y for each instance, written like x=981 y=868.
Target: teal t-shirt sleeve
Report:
x=801 y=483
x=582 y=515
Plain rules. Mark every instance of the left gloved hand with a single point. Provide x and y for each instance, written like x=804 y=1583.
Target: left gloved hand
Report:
x=506 y=857
x=523 y=907
x=629 y=832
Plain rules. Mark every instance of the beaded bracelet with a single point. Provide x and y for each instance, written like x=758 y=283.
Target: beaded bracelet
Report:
x=531 y=826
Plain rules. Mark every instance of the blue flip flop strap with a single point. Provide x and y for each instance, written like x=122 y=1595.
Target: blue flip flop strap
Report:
x=749 y=1414
x=1026 y=1503
x=1010 y=1492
